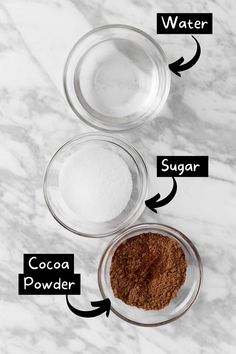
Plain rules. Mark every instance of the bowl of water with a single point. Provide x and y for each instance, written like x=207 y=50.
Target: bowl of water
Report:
x=116 y=78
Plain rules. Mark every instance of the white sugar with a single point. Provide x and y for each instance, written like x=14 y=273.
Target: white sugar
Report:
x=96 y=184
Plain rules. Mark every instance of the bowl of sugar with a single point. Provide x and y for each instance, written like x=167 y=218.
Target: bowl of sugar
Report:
x=95 y=185
x=116 y=78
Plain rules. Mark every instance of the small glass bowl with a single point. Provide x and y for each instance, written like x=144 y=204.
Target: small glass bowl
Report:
x=178 y=306
x=116 y=77
x=63 y=214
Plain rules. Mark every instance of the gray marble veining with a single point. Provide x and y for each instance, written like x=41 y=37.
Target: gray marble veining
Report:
x=199 y=118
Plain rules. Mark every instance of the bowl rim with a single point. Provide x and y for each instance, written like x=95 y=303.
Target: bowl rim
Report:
x=125 y=146
x=151 y=226
x=104 y=126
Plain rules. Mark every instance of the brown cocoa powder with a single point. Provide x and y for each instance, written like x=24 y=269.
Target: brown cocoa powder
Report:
x=148 y=270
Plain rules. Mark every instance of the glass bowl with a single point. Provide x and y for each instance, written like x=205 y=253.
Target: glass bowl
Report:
x=71 y=221
x=186 y=295
x=116 y=78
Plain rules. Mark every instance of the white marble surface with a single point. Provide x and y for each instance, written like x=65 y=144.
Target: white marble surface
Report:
x=199 y=118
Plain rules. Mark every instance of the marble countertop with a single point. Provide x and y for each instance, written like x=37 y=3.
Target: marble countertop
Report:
x=199 y=118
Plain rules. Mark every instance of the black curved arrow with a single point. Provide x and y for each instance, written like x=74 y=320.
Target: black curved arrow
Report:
x=176 y=66
x=154 y=202
x=102 y=306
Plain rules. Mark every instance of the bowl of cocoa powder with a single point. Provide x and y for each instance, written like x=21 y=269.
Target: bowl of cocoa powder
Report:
x=152 y=274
